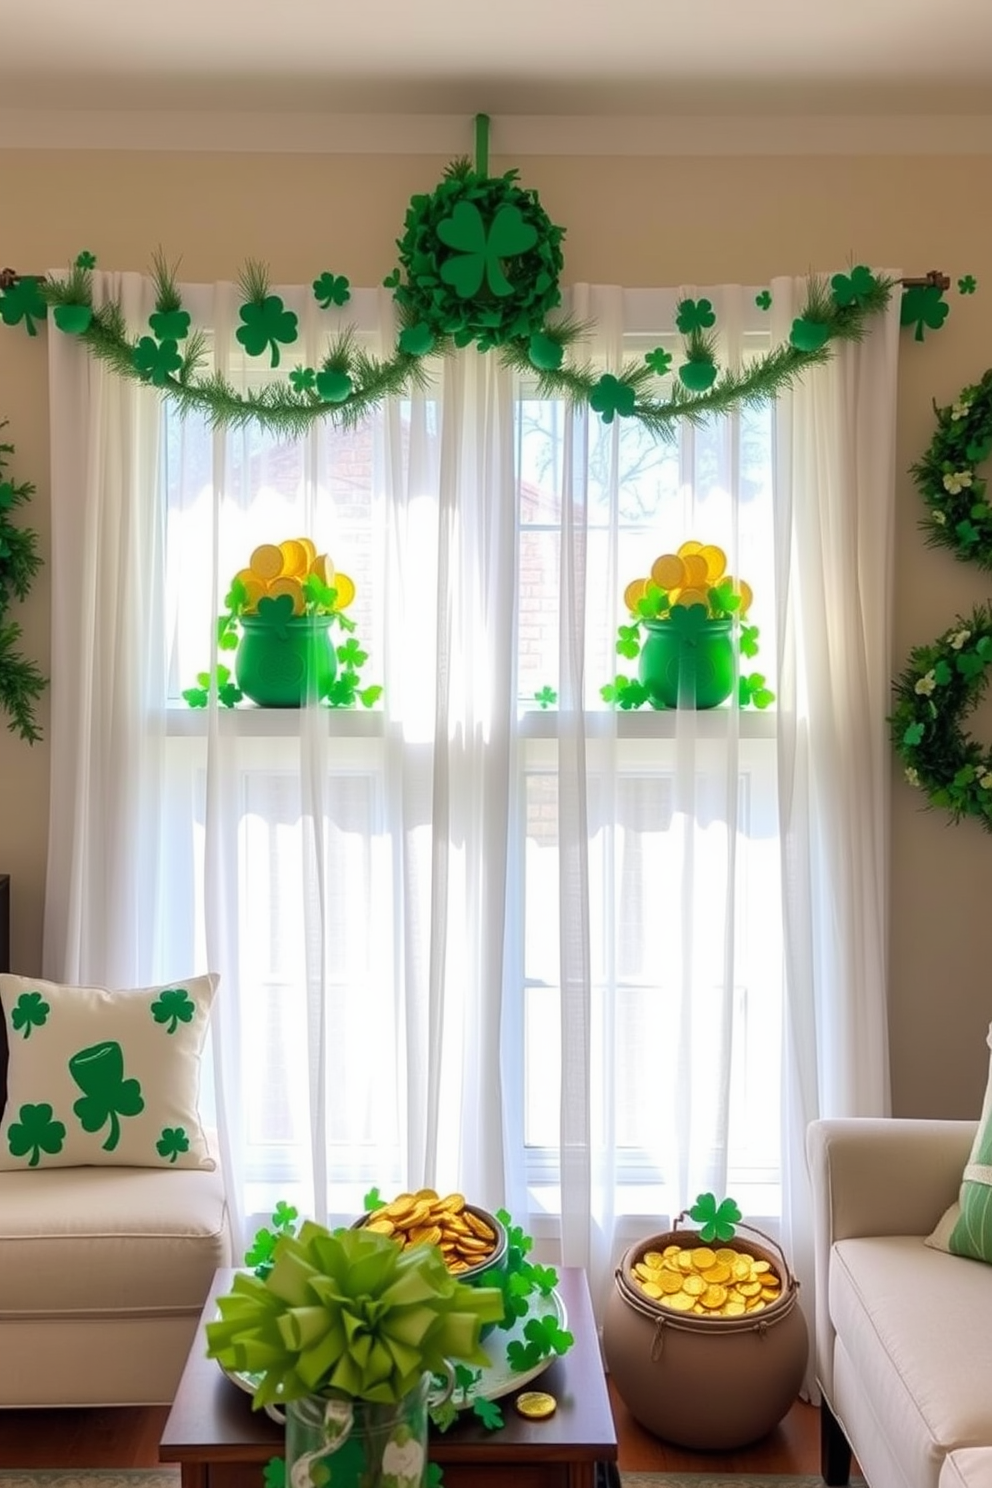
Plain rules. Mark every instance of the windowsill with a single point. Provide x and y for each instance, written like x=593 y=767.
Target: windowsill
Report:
x=352 y=723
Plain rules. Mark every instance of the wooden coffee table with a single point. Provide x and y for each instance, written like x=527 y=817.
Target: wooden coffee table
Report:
x=221 y=1442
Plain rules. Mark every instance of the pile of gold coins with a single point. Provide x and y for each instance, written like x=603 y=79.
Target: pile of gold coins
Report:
x=466 y=1239
x=709 y=1283
x=281 y=568
x=687 y=577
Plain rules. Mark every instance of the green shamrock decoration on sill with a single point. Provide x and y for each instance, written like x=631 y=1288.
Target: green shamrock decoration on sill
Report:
x=967 y=284
x=716 y=1221
x=34 y=1132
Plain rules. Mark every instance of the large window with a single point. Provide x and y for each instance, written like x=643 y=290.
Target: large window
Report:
x=671 y=982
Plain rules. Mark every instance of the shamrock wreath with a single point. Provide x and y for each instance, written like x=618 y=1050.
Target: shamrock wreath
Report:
x=958 y=515
x=941 y=684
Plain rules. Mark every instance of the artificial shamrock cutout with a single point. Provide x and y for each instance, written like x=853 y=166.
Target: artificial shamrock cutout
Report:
x=914 y=734
x=763 y=300
x=659 y=360
x=752 y=689
x=351 y=654
x=267 y=322
x=489 y=1413
x=331 y=289
x=416 y=340
x=698 y=373
x=274 y=1473
x=624 y=692
x=610 y=397
x=157 y=361
x=967 y=284
x=544 y=352
x=277 y=611
x=172 y=1142
x=694 y=315
x=107 y=1095
x=334 y=385
x=30 y=1011
x=173 y=1007
x=23 y=301
x=303 y=379
x=546 y=697
x=73 y=319
x=228 y=692
x=85 y=260
x=853 y=288
x=169 y=325
x=809 y=335
x=35 y=1131
x=716 y=1222
x=480 y=251
x=689 y=622
x=544 y=1336
x=923 y=305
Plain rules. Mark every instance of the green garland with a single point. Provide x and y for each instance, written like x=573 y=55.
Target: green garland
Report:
x=349 y=383
x=479 y=263
x=941 y=684
x=21 y=683
x=958 y=515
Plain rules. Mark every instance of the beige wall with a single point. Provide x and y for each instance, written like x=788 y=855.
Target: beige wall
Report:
x=633 y=221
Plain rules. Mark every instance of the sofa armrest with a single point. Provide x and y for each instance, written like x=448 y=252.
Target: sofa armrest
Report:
x=884 y=1176
x=876 y=1176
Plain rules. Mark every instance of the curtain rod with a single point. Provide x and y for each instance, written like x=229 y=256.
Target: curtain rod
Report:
x=933 y=279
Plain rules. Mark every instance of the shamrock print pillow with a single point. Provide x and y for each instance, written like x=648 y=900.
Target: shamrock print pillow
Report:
x=102 y=1077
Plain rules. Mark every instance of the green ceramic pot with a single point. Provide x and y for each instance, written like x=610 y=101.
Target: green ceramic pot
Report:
x=278 y=663
x=693 y=666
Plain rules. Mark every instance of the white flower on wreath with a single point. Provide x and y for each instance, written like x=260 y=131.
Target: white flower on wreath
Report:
x=912 y=774
x=961 y=408
x=940 y=518
x=957 y=480
x=985 y=780
x=958 y=639
x=926 y=684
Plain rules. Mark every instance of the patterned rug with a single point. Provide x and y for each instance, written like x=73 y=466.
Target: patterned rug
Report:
x=106 y=1477
x=168 y=1477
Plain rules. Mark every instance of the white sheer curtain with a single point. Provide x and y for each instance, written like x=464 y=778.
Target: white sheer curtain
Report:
x=534 y=955
x=835 y=513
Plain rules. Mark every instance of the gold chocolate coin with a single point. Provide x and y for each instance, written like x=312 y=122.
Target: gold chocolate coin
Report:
x=536 y=1404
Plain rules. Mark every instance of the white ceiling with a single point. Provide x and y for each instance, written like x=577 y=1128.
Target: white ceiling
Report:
x=569 y=57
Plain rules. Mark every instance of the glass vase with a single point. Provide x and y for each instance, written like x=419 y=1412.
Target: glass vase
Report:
x=339 y=1442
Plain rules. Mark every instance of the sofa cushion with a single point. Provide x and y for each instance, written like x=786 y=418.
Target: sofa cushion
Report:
x=916 y=1320
x=103 y=1077
x=109 y=1240
x=966 y=1227
x=969 y=1468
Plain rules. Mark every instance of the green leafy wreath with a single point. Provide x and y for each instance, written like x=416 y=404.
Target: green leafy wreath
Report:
x=479 y=263
x=21 y=683
x=958 y=514
x=941 y=684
